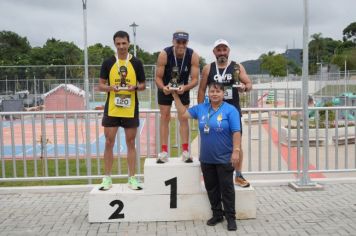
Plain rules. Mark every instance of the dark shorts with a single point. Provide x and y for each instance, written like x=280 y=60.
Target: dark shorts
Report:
x=168 y=99
x=112 y=121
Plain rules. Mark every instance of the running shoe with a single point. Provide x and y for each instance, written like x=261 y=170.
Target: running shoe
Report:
x=162 y=157
x=106 y=184
x=133 y=183
x=186 y=157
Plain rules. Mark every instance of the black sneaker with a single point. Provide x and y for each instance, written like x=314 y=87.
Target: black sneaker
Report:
x=231 y=224
x=214 y=220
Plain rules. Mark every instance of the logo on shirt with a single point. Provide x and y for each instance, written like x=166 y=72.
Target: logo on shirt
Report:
x=218 y=121
x=226 y=79
x=202 y=120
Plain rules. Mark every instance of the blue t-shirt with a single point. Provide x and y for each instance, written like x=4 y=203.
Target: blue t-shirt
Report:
x=216 y=146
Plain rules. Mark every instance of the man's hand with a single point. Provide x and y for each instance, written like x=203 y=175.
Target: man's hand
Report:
x=242 y=88
x=235 y=158
x=113 y=88
x=181 y=89
x=131 y=87
x=166 y=90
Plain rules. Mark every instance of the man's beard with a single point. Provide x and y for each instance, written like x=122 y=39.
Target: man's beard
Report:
x=222 y=59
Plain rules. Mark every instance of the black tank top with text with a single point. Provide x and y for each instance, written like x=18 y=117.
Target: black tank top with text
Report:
x=231 y=94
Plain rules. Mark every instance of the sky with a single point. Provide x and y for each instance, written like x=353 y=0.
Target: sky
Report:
x=252 y=27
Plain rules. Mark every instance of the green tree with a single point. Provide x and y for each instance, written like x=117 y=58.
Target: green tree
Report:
x=14 y=49
x=316 y=47
x=347 y=55
x=97 y=53
x=349 y=33
x=202 y=63
x=276 y=65
x=56 y=52
x=146 y=57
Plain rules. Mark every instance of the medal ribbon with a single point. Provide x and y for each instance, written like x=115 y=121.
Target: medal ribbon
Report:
x=210 y=115
x=175 y=59
x=218 y=72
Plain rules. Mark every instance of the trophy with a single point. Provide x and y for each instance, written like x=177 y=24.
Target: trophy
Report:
x=123 y=74
x=236 y=76
x=173 y=83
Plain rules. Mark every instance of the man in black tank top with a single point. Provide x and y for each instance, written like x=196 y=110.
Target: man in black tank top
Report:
x=185 y=62
x=222 y=71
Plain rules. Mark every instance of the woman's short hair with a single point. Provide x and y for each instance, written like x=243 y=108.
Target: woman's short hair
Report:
x=216 y=86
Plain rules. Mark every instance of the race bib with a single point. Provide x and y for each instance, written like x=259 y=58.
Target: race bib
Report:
x=122 y=101
x=227 y=92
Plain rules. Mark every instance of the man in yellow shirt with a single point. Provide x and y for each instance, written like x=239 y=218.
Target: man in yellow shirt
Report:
x=121 y=76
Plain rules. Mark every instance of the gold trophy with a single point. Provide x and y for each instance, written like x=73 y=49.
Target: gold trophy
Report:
x=173 y=83
x=123 y=75
x=236 y=76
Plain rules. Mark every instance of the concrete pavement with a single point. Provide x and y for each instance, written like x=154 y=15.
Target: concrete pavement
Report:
x=280 y=211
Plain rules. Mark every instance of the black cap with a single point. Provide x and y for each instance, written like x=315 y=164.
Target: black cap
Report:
x=181 y=36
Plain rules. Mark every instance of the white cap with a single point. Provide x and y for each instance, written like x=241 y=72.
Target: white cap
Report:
x=221 y=42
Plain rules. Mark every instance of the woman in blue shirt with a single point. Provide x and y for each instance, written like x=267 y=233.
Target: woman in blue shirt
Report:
x=219 y=127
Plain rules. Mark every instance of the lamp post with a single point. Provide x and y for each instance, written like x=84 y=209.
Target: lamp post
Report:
x=321 y=77
x=345 y=78
x=86 y=88
x=134 y=26
x=86 y=80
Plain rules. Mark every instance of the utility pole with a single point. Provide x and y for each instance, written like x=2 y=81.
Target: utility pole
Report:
x=134 y=26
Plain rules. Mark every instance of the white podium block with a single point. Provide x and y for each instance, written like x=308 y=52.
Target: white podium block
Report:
x=245 y=203
x=121 y=204
x=188 y=176
x=172 y=191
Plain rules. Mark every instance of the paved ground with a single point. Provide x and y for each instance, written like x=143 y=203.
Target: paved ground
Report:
x=280 y=211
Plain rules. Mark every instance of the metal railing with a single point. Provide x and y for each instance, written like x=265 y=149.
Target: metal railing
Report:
x=53 y=145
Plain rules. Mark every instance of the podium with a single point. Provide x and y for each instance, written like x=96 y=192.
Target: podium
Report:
x=172 y=191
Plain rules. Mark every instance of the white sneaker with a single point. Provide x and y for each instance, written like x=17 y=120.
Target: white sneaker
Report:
x=162 y=157
x=186 y=157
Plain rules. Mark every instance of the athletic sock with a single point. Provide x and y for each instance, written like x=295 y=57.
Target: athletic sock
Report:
x=164 y=148
x=185 y=147
x=238 y=173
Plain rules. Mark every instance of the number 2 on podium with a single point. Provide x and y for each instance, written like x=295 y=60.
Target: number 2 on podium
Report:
x=173 y=200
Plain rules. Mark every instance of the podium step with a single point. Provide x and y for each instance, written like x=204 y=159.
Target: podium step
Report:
x=172 y=191
x=188 y=176
x=121 y=204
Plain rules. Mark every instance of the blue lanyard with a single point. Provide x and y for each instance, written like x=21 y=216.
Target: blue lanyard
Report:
x=210 y=115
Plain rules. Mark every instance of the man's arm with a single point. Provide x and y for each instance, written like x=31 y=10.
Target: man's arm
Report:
x=161 y=63
x=203 y=83
x=245 y=79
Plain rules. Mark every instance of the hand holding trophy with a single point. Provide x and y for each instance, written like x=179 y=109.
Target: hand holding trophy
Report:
x=122 y=74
